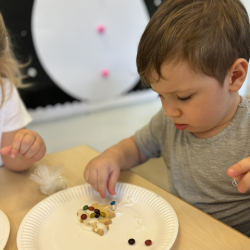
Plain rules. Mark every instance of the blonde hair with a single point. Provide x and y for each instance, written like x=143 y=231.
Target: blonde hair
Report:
x=9 y=67
x=209 y=34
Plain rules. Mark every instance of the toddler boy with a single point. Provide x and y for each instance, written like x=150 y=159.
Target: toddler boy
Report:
x=194 y=54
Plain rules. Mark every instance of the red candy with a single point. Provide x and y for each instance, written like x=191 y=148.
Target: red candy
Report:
x=148 y=242
x=91 y=208
x=83 y=216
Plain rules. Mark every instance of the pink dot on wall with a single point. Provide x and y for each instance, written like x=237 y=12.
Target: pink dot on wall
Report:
x=105 y=73
x=101 y=28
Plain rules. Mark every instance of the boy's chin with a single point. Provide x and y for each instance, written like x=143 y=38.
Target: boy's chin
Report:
x=203 y=133
x=194 y=130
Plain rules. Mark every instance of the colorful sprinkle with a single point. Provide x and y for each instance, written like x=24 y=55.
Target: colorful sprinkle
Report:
x=103 y=214
x=97 y=216
x=91 y=208
x=112 y=203
x=92 y=215
x=148 y=242
x=131 y=241
x=86 y=207
x=84 y=216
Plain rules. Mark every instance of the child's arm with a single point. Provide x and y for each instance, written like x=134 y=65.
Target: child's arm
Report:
x=103 y=171
x=21 y=148
x=241 y=172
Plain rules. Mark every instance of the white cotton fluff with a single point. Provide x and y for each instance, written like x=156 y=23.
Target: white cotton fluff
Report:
x=49 y=179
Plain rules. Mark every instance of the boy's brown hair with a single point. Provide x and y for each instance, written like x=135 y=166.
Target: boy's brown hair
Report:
x=9 y=67
x=209 y=34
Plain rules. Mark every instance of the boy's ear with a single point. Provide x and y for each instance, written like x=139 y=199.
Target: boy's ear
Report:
x=237 y=74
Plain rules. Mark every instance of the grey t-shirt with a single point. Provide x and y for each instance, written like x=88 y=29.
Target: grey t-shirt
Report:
x=197 y=168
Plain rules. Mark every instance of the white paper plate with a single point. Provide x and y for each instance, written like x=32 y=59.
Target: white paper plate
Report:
x=4 y=229
x=52 y=223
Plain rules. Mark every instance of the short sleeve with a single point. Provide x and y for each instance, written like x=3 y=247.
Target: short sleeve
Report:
x=14 y=113
x=148 y=139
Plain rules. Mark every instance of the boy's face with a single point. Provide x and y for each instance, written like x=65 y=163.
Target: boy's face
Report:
x=195 y=102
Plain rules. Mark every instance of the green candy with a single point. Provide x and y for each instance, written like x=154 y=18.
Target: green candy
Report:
x=86 y=207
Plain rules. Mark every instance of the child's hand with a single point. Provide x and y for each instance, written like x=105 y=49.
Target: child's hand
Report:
x=103 y=172
x=241 y=172
x=27 y=145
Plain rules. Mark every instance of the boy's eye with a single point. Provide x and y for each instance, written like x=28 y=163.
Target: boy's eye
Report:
x=159 y=96
x=184 y=98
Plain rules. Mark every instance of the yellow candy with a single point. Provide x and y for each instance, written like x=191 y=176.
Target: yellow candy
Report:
x=92 y=215
x=103 y=214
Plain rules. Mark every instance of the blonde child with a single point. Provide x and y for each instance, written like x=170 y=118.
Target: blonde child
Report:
x=20 y=147
x=194 y=54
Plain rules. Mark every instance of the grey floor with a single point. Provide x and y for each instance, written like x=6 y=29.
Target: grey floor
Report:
x=102 y=129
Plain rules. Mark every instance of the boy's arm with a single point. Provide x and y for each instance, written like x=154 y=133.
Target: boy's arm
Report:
x=21 y=148
x=103 y=171
x=241 y=172
x=129 y=153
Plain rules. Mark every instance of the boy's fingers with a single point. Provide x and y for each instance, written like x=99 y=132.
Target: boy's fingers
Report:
x=86 y=174
x=239 y=177
x=6 y=150
x=244 y=184
x=239 y=168
x=112 y=182
x=102 y=181
x=87 y=171
x=93 y=179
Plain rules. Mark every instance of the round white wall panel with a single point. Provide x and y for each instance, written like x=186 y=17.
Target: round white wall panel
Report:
x=88 y=47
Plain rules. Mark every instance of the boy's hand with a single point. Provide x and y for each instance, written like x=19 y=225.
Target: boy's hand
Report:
x=241 y=172
x=103 y=172
x=27 y=145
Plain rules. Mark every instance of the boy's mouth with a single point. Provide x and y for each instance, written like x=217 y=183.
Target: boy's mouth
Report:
x=181 y=126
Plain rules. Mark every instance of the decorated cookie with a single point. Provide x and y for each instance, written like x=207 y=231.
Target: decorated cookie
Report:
x=96 y=217
x=105 y=221
x=105 y=209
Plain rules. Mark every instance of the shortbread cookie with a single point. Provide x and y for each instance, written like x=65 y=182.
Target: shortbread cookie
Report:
x=105 y=221
x=97 y=217
x=105 y=209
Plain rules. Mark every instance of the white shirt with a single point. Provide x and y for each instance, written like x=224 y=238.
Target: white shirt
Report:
x=13 y=114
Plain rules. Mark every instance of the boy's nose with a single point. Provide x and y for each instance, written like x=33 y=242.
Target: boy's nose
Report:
x=171 y=110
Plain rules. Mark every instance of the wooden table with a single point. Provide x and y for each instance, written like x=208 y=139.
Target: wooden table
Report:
x=197 y=230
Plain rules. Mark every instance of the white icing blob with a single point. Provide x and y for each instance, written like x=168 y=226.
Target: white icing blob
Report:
x=118 y=212
x=140 y=224
x=78 y=218
x=80 y=212
x=92 y=221
x=101 y=226
x=129 y=202
x=86 y=227
x=111 y=208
